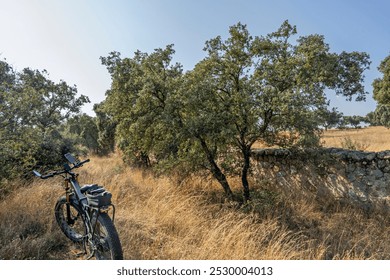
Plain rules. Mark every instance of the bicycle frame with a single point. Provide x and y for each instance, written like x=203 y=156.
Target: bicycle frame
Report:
x=90 y=215
x=90 y=202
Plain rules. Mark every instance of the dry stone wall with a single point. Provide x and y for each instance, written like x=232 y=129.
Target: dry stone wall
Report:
x=361 y=177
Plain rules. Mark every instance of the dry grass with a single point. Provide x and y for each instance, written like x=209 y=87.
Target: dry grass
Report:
x=162 y=218
x=159 y=218
x=27 y=229
x=372 y=138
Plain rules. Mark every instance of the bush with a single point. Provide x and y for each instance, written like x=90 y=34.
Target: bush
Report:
x=32 y=109
x=350 y=144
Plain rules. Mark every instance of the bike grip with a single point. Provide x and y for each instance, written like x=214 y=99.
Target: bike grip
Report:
x=47 y=176
x=84 y=161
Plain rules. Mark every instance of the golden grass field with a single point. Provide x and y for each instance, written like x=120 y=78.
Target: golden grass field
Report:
x=374 y=138
x=164 y=218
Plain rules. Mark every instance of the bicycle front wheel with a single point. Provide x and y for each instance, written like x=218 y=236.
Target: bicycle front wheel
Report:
x=105 y=238
x=70 y=220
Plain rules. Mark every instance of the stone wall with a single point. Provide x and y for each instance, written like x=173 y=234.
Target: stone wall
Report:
x=361 y=177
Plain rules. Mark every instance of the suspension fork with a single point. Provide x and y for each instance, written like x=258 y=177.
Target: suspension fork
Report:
x=69 y=219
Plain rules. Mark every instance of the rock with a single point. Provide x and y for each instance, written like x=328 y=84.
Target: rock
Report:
x=383 y=155
x=386 y=169
x=363 y=177
x=377 y=174
x=351 y=177
x=381 y=163
x=370 y=156
x=355 y=156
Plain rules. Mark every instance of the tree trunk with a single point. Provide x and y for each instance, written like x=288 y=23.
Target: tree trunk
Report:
x=244 y=173
x=215 y=170
x=221 y=178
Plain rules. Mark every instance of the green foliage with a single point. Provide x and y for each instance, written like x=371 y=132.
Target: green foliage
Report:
x=138 y=103
x=371 y=119
x=382 y=93
x=31 y=109
x=331 y=118
x=106 y=130
x=246 y=89
x=382 y=115
x=350 y=144
x=382 y=85
x=262 y=201
x=354 y=121
x=83 y=130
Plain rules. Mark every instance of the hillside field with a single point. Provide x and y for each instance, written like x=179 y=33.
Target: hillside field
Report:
x=172 y=218
x=372 y=139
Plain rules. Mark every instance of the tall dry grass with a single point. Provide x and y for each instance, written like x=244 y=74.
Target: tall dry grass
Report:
x=373 y=138
x=159 y=218
x=27 y=229
x=164 y=218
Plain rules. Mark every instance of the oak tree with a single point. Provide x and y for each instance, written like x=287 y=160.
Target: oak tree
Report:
x=247 y=89
x=381 y=93
x=32 y=107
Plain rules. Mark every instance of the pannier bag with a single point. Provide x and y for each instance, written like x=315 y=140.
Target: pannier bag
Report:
x=97 y=196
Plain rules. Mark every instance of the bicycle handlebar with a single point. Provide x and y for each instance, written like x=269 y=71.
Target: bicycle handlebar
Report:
x=81 y=163
x=49 y=175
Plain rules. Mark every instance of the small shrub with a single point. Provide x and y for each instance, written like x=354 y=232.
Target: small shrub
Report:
x=350 y=144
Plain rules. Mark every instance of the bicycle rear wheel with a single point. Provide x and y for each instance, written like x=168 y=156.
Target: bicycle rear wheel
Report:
x=106 y=239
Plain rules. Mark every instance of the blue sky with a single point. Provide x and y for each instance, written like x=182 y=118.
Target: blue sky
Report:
x=67 y=37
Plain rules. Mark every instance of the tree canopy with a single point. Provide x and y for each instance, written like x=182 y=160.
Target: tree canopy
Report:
x=247 y=89
x=31 y=109
x=381 y=93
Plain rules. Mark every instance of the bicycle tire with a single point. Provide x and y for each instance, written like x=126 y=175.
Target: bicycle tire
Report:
x=106 y=239
x=77 y=229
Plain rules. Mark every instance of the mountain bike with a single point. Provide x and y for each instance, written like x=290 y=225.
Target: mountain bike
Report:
x=83 y=214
